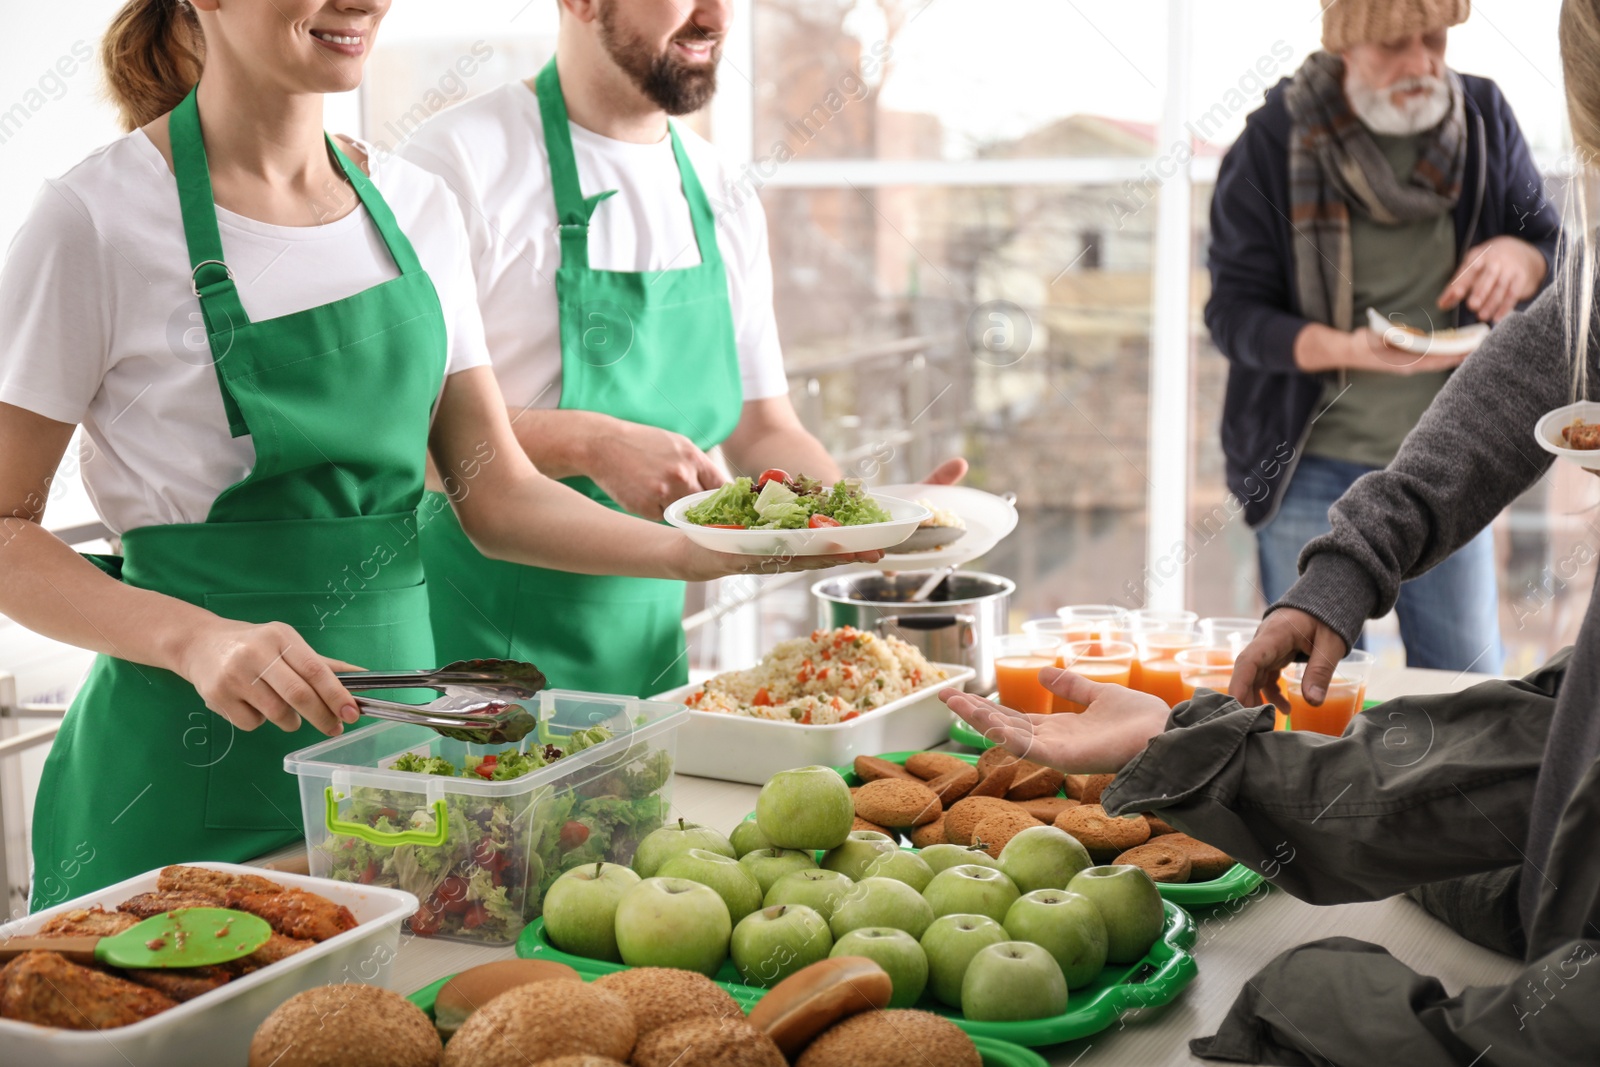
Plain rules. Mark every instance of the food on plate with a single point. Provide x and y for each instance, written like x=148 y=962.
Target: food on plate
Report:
x=881 y=902
x=898 y=803
x=952 y=787
x=1045 y=809
x=773 y=943
x=747 y=837
x=815 y=998
x=901 y=1038
x=944 y=856
x=732 y=882
x=817 y=889
x=1158 y=825
x=1105 y=836
x=940 y=517
x=930 y=765
x=1012 y=982
x=971 y=889
x=295 y=912
x=465 y=992
x=47 y=989
x=1066 y=925
x=1162 y=862
x=727 y=1042
x=950 y=943
x=216 y=885
x=783 y=503
x=862 y=824
x=1206 y=861
x=929 y=834
x=518 y=1028
x=1130 y=904
x=902 y=866
x=871 y=768
x=501 y=853
x=580 y=911
x=855 y=854
x=767 y=865
x=1043 y=857
x=995 y=830
x=829 y=677
x=965 y=815
x=806 y=808
x=675 y=839
x=673 y=922
x=345 y=1025
x=662 y=996
x=995 y=782
x=1581 y=435
x=897 y=952
x=1086 y=788
x=1034 y=782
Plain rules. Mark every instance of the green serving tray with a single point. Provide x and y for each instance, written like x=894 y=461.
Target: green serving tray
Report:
x=995 y=1053
x=1237 y=881
x=1151 y=982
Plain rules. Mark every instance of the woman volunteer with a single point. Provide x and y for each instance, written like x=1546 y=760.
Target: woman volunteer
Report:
x=263 y=345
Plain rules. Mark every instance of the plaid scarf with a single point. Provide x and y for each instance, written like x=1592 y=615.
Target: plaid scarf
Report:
x=1335 y=164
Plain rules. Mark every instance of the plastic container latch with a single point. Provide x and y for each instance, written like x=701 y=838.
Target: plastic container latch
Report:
x=373 y=836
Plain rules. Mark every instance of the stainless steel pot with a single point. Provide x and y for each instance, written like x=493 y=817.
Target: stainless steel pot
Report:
x=958 y=623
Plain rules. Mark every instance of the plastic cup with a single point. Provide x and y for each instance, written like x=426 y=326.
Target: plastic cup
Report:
x=1067 y=631
x=1098 y=661
x=1151 y=619
x=1158 y=662
x=1234 y=633
x=1346 y=693
x=1018 y=660
x=1093 y=618
x=1205 y=668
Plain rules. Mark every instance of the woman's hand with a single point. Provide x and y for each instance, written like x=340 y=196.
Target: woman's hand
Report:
x=1113 y=729
x=250 y=674
x=1282 y=635
x=699 y=564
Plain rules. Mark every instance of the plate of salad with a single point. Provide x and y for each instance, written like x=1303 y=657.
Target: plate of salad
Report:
x=779 y=515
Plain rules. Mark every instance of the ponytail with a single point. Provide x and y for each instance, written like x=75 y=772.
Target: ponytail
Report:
x=152 y=54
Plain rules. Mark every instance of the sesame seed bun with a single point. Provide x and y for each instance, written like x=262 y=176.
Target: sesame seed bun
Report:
x=661 y=996
x=345 y=1025
x=476 y=986
x=703 y=1042
x=901 y=1038
x=529 y=1024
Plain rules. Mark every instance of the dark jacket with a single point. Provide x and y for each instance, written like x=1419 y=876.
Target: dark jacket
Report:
x=1253 y=314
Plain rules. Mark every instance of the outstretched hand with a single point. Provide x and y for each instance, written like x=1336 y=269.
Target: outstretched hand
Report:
x=1114 y=728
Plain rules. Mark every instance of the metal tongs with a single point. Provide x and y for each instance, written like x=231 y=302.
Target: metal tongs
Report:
x=481 y=701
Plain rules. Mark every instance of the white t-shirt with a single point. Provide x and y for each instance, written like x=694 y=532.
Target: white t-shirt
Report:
x=99 y=324
x=491 y=152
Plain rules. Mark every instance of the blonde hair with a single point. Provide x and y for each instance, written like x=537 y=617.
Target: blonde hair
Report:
x=152 y=54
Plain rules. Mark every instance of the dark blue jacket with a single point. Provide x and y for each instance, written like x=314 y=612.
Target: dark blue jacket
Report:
x=1253 y=314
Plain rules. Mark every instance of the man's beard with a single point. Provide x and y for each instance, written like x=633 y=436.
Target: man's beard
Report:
x=1378 y=111
x=675 y=86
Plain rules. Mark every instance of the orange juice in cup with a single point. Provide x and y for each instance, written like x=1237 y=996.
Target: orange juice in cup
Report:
x=1158 y=663
x=1204 y=668
x=1346 y=693
x=1106 y=622
x=1018 y=660
x=1099 y=661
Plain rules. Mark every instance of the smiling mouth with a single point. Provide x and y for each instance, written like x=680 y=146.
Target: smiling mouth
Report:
x=336 y=38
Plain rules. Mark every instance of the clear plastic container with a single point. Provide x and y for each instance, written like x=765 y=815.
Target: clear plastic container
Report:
x=480 y=854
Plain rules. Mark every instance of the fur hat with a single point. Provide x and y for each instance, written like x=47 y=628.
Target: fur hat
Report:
x=1352 y=22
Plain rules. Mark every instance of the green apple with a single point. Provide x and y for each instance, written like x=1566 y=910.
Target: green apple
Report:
x=852 y=855
x=816 y=889
x=1130 y=904
x=943 y=857
x=767 y=865
x=806 y=808
x=747 y=837
x=902 y=866
x=1066 y=925
x=673 y=922
x=950 y=943
x=1011 y=982
x=580 y=910
x=897 y=952
x=971 y=890
x=1043 y=857
x=674 y=839
x=771 y=944
x=734 y=883
x=881 y=902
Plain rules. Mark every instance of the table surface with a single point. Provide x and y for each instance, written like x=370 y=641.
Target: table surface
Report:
x=1235 y=940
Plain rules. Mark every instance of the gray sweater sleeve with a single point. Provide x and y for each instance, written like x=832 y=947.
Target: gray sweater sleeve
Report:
x=1471 y=454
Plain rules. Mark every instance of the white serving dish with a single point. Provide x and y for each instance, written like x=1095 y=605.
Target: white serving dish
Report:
x=989 y=520
x=1452 y=342
x=733 y=748
x=216 y=1027
x=1548 y=433
x=827 y=541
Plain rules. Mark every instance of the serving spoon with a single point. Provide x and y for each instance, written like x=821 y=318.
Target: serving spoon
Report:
x=183 y=937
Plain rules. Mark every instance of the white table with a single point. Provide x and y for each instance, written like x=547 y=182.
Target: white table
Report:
x=1234 y=940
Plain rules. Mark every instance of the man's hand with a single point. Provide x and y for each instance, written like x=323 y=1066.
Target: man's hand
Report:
x=1282 y=635
x=645 y=469
x=950 y=472
x=1495 y=277
x=1115 y=727
x=1319 y=348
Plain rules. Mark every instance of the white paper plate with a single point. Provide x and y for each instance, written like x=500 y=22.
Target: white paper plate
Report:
x=989 y=519
x=1453 y=342
x=828 y=541
x=1548 y=433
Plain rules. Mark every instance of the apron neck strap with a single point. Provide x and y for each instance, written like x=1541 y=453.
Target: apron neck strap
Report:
x=573 y=209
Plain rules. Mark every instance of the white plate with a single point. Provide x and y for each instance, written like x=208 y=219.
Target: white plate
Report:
x=1548 y=433
x=904 y=517
x=216 y=1027
x=733 y=748
x=989 y=519
x=1452 y=342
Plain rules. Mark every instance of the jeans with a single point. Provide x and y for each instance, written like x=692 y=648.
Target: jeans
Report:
x=1448 y=616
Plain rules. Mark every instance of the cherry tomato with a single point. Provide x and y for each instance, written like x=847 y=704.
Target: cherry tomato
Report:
x=723 y=526
x=492 y=758
x=452 y=893
x=819 y=522
x=572 y=835
x=772 y=474
x=386 y=813
x=424 y=922
x=370 y=874
x=484 y=770
x=484 y=854
x=475 y=917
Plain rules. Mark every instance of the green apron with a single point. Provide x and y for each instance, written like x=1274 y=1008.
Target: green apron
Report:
x=655 y=348
x=320 y=534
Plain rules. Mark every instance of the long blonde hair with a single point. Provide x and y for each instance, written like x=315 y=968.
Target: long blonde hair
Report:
x=152 y=53
x=1575 y=262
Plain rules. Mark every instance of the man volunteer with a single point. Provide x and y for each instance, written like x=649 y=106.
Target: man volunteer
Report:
x=1376 y=177
x=631 y=329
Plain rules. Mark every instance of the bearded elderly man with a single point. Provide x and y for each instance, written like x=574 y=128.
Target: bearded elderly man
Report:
x=1376 y=177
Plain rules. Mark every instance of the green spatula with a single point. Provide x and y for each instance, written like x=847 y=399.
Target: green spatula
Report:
x=185 y=937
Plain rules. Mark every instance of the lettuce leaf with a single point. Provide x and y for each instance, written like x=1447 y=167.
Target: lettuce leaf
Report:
x=732 y=505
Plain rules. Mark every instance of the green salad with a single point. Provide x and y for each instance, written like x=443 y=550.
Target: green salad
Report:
x=775 y=501
x=501 y=854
